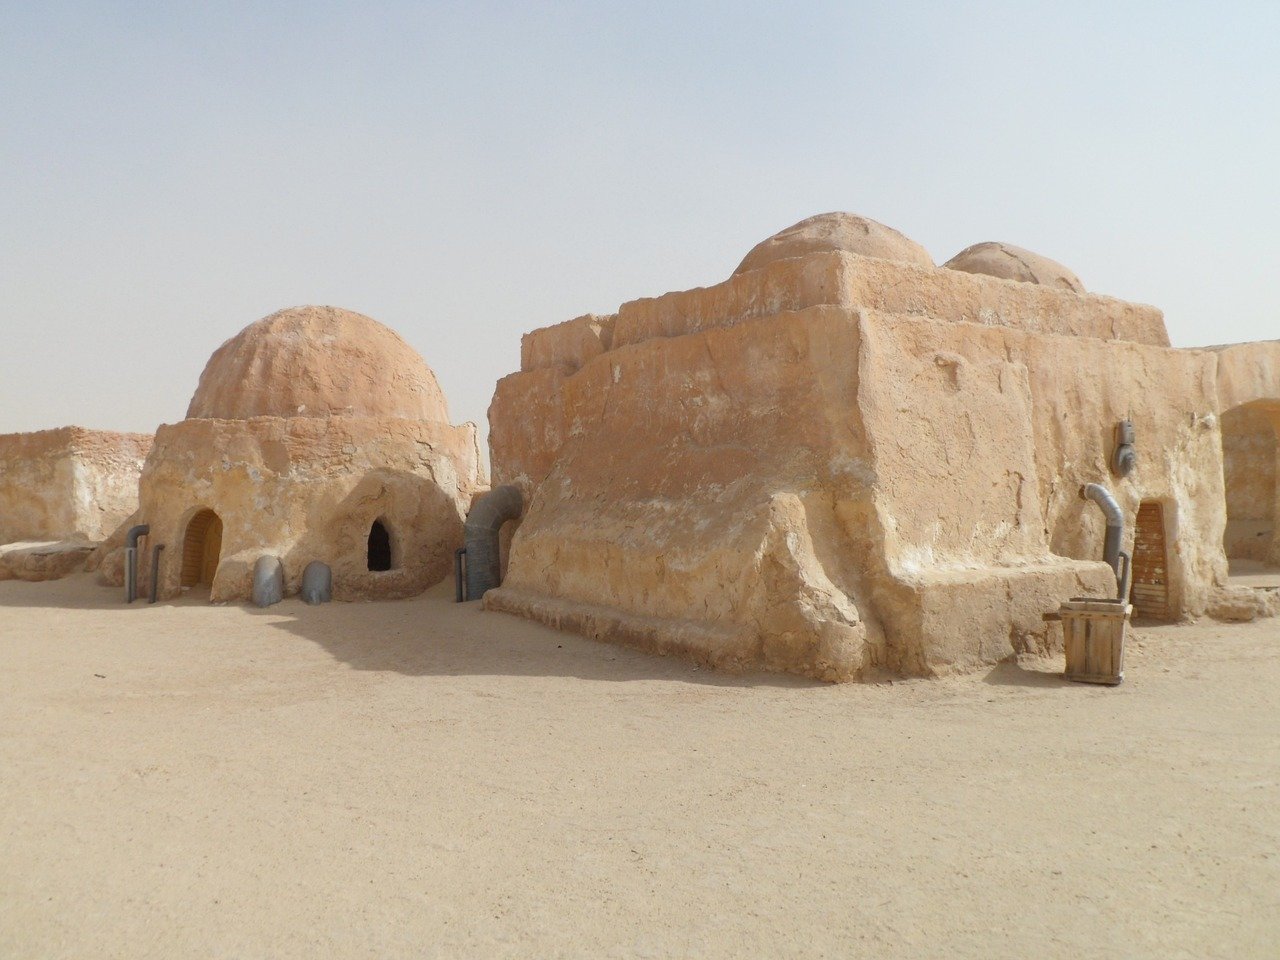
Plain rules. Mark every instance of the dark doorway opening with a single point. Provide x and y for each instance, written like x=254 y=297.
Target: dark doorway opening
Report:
x=379 y=547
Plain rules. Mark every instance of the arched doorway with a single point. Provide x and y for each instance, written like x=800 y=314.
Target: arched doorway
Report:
x=1251 y=470
x=379 y=552
x=201 y=548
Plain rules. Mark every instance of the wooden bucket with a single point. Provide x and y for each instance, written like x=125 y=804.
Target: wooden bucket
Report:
x=1093 y=633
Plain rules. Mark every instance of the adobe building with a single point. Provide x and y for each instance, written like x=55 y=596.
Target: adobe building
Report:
x=844 y=460
x=315 y=434
x=62 y=492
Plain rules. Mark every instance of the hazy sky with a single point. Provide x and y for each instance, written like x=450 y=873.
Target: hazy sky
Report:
x=466 y=172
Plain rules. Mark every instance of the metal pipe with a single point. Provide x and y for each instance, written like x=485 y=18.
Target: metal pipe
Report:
x=1115 y=523
x=131 y=560
x=459 y=578
x=1125 y=581
x=484 y=560
x=155 y=572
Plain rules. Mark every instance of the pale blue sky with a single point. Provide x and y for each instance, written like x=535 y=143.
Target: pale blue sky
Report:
x=468 y=172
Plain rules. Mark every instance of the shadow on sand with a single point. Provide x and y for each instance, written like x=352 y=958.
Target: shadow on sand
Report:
x=427 y=635
x=1010 y=674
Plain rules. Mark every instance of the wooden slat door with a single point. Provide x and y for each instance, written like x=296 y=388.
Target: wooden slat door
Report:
x=201 y=548
x=1150 y=592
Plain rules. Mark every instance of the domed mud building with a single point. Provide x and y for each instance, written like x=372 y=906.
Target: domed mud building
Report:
x=844 y=459
x=315 y=434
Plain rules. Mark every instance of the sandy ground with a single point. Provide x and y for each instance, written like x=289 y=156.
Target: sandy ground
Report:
x=1251 y=573
x=421 y=779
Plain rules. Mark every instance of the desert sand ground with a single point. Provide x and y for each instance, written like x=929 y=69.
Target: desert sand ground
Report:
x=420 y=779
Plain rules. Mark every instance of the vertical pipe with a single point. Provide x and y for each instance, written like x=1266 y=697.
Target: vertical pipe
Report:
x=459 y=578
x=155 y=572
x=1115 y=523
x=131 y=560
x=130 y=574
x=1127 y=579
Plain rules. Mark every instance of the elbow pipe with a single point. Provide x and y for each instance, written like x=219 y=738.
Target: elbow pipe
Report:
x=131 y=560
x=1115 y=524
x=480 y=534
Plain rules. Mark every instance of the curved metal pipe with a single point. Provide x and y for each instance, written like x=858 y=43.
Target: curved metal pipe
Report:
x=484 y=560
x=1115 y=524
x=131 y=560
x=140 y=530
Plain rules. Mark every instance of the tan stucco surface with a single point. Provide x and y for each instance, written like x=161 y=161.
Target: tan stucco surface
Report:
x=317 y=361
x=838 y=465
x=306 y=489
x=366 y=439
x=68 y=483
x=1014 y=263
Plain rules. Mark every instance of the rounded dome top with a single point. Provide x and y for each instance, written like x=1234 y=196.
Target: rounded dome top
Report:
x=317 y=362
x=836 y=231
x=1008 y=262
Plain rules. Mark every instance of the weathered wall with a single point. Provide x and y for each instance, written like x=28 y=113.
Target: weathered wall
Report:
x=834 y=464
x=1026 y=419
x=1251 y=468
x=720 y=494
x=68 y=483
x=308 y=489
x=850 y=281
x=1249 y=401
x=675 y=518
x=1247 y=372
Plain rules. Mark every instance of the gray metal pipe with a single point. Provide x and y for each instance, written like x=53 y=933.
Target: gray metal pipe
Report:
x=480 y=534
x=1115 y=524
x=131 y=560
x=1122 y=591
x=155 y=572
x=459 y=576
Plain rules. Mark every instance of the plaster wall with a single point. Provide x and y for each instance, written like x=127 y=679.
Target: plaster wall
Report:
x=1251 y=468
x=308 y=489
x=68 y=483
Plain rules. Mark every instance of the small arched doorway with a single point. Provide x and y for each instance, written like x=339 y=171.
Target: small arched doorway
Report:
x=379 y=547
x=201 y=548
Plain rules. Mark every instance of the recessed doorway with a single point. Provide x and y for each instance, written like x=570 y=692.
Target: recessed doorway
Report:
x=201 y=548
x=1150 y=591
x=379 y=554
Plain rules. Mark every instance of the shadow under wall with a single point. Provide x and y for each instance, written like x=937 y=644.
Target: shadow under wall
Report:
x=426 y=635
x=431 y=635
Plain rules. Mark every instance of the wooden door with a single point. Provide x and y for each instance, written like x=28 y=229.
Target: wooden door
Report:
x=201 y=548
x=1150 y=592
x=212 y=550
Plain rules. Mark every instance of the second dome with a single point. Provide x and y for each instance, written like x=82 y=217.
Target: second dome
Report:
x=317 y=362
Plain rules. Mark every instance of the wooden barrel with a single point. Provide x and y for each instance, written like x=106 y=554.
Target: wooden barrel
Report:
x=1093 y=634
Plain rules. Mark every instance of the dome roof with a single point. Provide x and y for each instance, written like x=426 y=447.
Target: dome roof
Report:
x=317 y=362
x=1008 y=262
x=836 y=231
